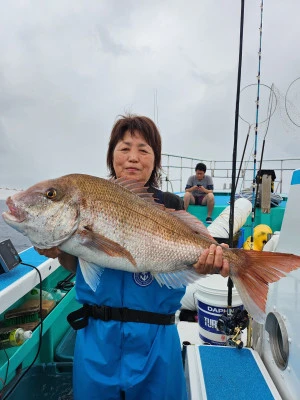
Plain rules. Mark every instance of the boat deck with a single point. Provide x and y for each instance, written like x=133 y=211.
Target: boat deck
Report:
x=273 y=219
x=14 y=286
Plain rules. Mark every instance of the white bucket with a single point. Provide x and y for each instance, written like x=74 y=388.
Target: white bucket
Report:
x=211 y=299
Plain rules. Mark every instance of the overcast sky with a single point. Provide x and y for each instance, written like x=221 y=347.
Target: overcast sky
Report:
x=69 y=68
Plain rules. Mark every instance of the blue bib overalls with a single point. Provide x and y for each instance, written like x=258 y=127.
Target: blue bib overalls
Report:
x=114 y=359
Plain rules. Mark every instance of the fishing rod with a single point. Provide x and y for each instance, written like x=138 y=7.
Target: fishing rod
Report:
x=270 y=105
x=270 y=113
x=242 y=159
x=256 y=123
x=234 y=153
x=155 y=108
x=234 y=321
x=286 y=102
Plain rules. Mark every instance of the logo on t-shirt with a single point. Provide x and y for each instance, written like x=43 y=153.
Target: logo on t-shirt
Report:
x=142 y=278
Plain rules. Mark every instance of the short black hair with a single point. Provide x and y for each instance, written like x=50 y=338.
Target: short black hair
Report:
x=148 y=130
x=200 y=167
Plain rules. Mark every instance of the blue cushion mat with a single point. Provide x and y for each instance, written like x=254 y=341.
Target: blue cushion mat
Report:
x=230 y=373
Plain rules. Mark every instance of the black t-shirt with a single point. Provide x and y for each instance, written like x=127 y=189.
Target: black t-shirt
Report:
x=168 y=199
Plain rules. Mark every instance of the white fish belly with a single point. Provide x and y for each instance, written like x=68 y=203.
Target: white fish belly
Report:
x=153 y=254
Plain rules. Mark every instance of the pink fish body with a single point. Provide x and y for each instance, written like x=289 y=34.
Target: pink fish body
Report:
x=118 y=225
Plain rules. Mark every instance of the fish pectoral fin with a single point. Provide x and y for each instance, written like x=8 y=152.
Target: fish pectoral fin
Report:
x=91 y=273
x=100 y=242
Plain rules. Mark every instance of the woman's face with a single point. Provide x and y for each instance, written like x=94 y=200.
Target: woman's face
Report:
x=133 y=158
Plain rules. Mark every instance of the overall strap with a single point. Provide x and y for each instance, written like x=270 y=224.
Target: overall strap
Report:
x=79 y=319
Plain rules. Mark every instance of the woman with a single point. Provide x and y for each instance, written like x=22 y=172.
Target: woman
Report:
x=132 y=360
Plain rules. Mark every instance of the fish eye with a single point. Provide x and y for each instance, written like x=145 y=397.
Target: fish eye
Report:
x=51 y=194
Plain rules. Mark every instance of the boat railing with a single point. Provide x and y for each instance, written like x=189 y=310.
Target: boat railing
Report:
x=177 y=169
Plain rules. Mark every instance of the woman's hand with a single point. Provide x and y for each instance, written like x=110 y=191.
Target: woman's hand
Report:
x=211 y=259
x=53 y=252
x=66 y=260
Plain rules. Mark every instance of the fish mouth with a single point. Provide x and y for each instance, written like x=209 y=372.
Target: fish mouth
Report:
x=14 y=214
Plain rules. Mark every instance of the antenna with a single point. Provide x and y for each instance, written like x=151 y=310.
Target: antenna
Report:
x=155 y=105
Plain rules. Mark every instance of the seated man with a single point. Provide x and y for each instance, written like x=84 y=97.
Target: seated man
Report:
x=199 y=191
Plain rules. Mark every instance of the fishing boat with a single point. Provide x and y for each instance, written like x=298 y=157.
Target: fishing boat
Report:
x=37 y=294
x=270 y=360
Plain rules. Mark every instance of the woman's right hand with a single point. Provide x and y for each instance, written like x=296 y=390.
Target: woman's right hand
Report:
x=66 y=260
x=53 y=252
x=212 y=259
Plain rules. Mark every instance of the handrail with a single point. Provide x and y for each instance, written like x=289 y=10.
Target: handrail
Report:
x=177 y=169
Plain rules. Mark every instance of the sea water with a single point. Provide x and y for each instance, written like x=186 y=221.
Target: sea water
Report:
x=6 y=232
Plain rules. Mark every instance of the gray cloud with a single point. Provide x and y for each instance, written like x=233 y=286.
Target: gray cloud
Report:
x=67 y=69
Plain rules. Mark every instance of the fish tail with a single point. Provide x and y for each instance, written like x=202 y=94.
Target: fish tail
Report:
x=254 y=271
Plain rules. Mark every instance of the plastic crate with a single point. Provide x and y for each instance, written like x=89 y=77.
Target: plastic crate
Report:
x=65 y=349
x=51 y=381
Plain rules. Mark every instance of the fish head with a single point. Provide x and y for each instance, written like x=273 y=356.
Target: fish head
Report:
x=47 y=213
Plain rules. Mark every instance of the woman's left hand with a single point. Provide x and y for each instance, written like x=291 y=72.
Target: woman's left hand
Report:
x=212 y=259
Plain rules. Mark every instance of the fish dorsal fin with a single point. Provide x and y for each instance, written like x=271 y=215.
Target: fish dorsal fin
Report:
x=193 y=222
x=138 y=188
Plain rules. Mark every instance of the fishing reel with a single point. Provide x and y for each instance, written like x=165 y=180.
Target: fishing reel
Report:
x=232 y=325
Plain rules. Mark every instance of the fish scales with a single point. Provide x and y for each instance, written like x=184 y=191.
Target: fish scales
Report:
x=151 y=244
x=135 y=224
